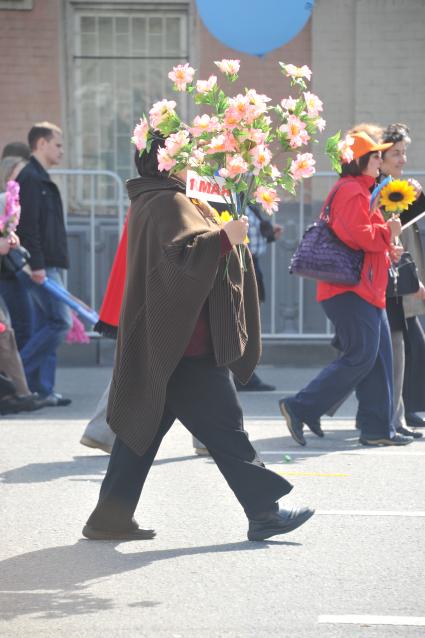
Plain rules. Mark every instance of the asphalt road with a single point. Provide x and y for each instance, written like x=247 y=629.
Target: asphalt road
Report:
x=355 y=569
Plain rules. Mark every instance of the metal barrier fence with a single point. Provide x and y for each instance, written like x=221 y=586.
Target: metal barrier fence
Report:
x=94 y=204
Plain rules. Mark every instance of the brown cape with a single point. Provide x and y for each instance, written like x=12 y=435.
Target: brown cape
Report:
x=173 y=265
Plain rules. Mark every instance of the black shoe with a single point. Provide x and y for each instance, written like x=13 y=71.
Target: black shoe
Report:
x=398 y=439
x=414 y=420
x=133 y=534
x=295 y=425
x=406 y=432
x=7 y=387
x=16 y=404
x=316 y=428
x=255 y=384
x=55 y=400
x=280 y=522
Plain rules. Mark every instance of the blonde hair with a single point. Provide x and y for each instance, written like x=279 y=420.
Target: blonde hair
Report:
x=7 y=165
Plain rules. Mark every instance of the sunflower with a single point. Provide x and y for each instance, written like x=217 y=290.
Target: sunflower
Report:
x=397 y=196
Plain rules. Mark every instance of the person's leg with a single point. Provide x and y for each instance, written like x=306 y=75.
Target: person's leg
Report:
x=17 y=298
x=375 y=391
x=414 y=378
x=203 y=398
x=123 y=483
x=397 y=343
x=53 y=321
x=357 y=328
x=97 y=433
x=11 y=364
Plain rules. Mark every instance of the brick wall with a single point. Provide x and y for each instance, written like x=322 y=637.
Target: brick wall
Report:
x=30 y=69
x=368 y=62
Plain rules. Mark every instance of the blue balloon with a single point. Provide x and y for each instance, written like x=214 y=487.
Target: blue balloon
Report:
x=254 y=26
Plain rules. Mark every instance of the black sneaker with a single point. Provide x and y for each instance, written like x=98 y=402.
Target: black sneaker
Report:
x=414 y=420
x=295 y=425
x=406 y=432
x=398 y=439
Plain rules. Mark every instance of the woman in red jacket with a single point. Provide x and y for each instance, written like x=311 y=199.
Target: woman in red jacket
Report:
x=357 y=312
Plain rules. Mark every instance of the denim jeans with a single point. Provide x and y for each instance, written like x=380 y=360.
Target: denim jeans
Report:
x=365 y=365
x=41 y=323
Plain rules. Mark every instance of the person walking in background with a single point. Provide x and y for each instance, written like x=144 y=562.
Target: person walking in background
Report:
x=261 y=233
x=357 y=312
x=41 y=322
x=408 y=334
x=179 y=333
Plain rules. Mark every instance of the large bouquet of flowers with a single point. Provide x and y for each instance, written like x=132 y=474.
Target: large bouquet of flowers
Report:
x=9 y=218
x=231 y=142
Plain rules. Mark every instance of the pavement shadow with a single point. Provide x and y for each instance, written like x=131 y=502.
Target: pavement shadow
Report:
x=333 y=441
x=54 y=582
x=80 y=467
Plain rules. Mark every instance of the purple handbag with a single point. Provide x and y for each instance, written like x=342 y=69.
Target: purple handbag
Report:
x=321 y=255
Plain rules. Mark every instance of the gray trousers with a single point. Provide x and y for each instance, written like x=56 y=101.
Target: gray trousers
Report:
x=397 y=341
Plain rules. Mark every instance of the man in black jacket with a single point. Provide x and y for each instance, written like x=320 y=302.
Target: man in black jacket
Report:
x=42 y=232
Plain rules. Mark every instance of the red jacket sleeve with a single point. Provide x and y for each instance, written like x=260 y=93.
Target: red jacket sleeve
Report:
x=359 y=228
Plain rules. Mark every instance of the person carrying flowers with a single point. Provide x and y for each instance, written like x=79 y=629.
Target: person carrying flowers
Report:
x=190 y=312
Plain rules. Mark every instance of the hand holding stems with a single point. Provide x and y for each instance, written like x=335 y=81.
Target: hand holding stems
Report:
x=236 y=230
x=394 y=224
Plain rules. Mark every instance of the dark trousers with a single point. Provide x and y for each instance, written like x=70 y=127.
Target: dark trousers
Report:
x=365 y=365
x=202 y=396
x=414 y=372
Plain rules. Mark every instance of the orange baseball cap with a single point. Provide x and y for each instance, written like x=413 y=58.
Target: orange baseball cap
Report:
x=364 y=144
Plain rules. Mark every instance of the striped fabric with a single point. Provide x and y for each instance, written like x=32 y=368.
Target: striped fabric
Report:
x=173 y=265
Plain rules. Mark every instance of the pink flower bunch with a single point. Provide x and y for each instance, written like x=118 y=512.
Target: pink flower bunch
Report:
x=9 y=219
x=233 y=138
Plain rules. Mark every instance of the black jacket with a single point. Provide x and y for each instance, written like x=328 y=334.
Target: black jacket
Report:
x=41 y=227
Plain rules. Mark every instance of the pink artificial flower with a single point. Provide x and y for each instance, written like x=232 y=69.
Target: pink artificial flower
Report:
x=229 y=67
x=161 y=111
x=302 y=166
x=293 y=71
x=289 y=103
x=314 y=104
x=345 y=150
x=235 y=165
x=175 y=142
x=204 y=124
x=258 y=104
x=205 y=86
x=232 y=116
x=295 y=129
x=165 y=162
x=224 y=143
x=254 y=134
x=197 y=157
x=140 y=134
x=268 y=199
x=182 y=75
x=275 y=172
x=261 y=157
x=320 y=123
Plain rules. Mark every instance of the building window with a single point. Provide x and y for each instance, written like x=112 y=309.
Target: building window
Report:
x=120 y=66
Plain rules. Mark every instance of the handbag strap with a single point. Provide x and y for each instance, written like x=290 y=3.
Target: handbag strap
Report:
x=325 y=212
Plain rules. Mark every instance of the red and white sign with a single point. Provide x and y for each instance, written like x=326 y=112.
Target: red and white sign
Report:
x=207 y=189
